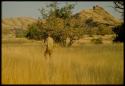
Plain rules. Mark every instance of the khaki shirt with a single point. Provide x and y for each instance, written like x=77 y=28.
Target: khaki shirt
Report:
x=50 y=43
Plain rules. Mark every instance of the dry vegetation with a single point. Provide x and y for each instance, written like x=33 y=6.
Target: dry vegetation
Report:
x=91 y=60
x=23 y=63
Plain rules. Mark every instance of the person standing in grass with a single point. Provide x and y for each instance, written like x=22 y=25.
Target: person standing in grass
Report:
x=67 y=42
x=49 y=45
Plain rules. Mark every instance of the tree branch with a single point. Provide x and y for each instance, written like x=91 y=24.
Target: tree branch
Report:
x=119 y=5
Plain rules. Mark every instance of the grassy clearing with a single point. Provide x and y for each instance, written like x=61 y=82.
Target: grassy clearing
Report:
x=24 y=63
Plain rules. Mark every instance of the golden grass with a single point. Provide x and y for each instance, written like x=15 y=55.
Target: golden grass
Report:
x=24 y=63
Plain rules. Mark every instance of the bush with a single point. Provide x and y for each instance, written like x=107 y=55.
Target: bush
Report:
x=119 y=31
x=20 y=33
x=33 y=32
x=97 y=40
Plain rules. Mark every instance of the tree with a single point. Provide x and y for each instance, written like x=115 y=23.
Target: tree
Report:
x=63 y=14
x=119 y=6
x=59 y=21
x=119 y=30
x=33 y=32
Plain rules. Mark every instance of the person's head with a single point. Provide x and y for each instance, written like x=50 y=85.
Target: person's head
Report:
x=49 y=34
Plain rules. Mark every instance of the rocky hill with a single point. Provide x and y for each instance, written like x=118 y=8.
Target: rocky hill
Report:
x=18 y=22
x=98 y=15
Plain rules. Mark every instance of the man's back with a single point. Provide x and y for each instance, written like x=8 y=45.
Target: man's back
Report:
x=50 y=43
x=67 y=41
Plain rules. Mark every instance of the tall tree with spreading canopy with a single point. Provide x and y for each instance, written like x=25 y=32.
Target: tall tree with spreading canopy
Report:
x=58 y=21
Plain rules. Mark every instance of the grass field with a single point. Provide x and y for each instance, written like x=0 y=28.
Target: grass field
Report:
x=23 y=63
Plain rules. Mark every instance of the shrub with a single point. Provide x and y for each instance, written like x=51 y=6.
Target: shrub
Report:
x=20 y=33
x=33 y=32
x=119 y=31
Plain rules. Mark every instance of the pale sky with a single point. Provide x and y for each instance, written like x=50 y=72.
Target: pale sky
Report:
x=30 y=8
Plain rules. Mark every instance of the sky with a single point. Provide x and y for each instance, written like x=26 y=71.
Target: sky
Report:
x=30 y=8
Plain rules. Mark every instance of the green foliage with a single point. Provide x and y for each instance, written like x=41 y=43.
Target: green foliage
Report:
x=58 y=22
x=33 y=32
x=19 y=32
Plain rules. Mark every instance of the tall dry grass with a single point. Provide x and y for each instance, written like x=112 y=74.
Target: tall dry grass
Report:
x=24 y=63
